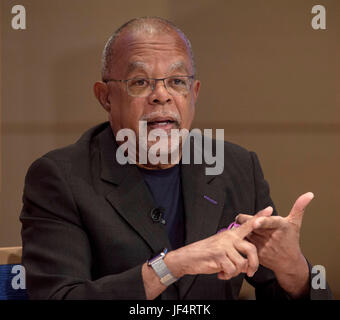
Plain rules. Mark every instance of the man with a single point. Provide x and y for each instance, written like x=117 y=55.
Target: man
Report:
x=93 y=228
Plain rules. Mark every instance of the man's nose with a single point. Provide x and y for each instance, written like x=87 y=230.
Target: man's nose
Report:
x=160 y=94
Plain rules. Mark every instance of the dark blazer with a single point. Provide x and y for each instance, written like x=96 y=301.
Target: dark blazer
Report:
x=86 y=226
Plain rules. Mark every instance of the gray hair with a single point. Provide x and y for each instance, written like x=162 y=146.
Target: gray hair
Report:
x=146 y=23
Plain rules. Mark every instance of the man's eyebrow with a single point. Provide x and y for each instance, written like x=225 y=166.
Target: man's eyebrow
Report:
x=178 y=66
x=137 y=65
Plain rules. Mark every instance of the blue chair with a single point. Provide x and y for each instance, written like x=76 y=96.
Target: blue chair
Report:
x=12 y=274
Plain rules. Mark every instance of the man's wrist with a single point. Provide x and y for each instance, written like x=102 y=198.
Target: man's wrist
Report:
x=173 y=262
x=294 y=279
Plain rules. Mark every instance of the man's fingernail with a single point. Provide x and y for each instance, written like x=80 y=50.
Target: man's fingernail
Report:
x=311 y=195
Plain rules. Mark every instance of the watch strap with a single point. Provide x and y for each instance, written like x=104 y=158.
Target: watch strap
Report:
x=161 y=269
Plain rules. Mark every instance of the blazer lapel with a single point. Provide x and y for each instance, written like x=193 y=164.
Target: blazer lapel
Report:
x=129 y=195
x=203 y=203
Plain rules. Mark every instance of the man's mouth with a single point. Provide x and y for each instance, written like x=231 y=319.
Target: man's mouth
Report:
x=162 y=123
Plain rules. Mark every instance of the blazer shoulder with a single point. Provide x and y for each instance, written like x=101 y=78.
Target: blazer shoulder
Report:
x=240 y=160
x=235 y=148
x=72 y=159
x=81 y=149
x=237 y=153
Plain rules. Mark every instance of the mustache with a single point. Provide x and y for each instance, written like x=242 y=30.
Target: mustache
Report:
x=173 y=115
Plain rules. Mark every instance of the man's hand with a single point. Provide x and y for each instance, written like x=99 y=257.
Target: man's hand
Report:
x=221 y=253
x=225 y=253
x=277 y=242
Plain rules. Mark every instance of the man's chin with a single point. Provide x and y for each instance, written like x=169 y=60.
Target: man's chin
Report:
x=164 y=150
x=165 y=145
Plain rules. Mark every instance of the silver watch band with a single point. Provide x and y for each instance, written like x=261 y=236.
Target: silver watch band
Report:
x=161 y=269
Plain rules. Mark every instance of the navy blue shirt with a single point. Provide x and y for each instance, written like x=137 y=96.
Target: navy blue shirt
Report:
x=166 y=189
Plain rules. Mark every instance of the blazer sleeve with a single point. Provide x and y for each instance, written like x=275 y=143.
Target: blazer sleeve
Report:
x=264 y=280
x=56 y=250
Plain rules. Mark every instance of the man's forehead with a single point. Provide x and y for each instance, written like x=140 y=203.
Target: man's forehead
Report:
x=150 y=31
x=136 y=50
x=179 y=66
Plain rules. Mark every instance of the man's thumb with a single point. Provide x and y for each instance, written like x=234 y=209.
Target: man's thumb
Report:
x=296 y=214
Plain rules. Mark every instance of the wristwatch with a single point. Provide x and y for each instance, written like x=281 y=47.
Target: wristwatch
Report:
x=158 y=265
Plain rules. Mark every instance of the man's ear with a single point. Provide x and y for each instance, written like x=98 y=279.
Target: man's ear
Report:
x=101 y=91
x=197 y=85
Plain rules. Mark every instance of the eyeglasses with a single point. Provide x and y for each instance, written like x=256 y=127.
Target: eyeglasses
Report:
x=142 y=87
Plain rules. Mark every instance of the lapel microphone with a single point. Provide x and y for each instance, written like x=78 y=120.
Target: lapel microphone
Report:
x=157 y=215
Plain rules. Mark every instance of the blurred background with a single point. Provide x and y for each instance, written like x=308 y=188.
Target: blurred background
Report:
x=268 y=79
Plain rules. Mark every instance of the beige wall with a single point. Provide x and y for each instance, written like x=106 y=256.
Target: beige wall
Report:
x=268 y=79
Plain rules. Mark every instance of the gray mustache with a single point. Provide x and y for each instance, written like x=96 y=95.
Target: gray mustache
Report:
x=175 y=116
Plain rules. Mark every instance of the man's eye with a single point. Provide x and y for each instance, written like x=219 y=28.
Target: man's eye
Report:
x=178 y=82
x=139 y=82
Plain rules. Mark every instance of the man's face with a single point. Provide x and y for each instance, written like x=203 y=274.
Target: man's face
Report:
x=138 y=55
